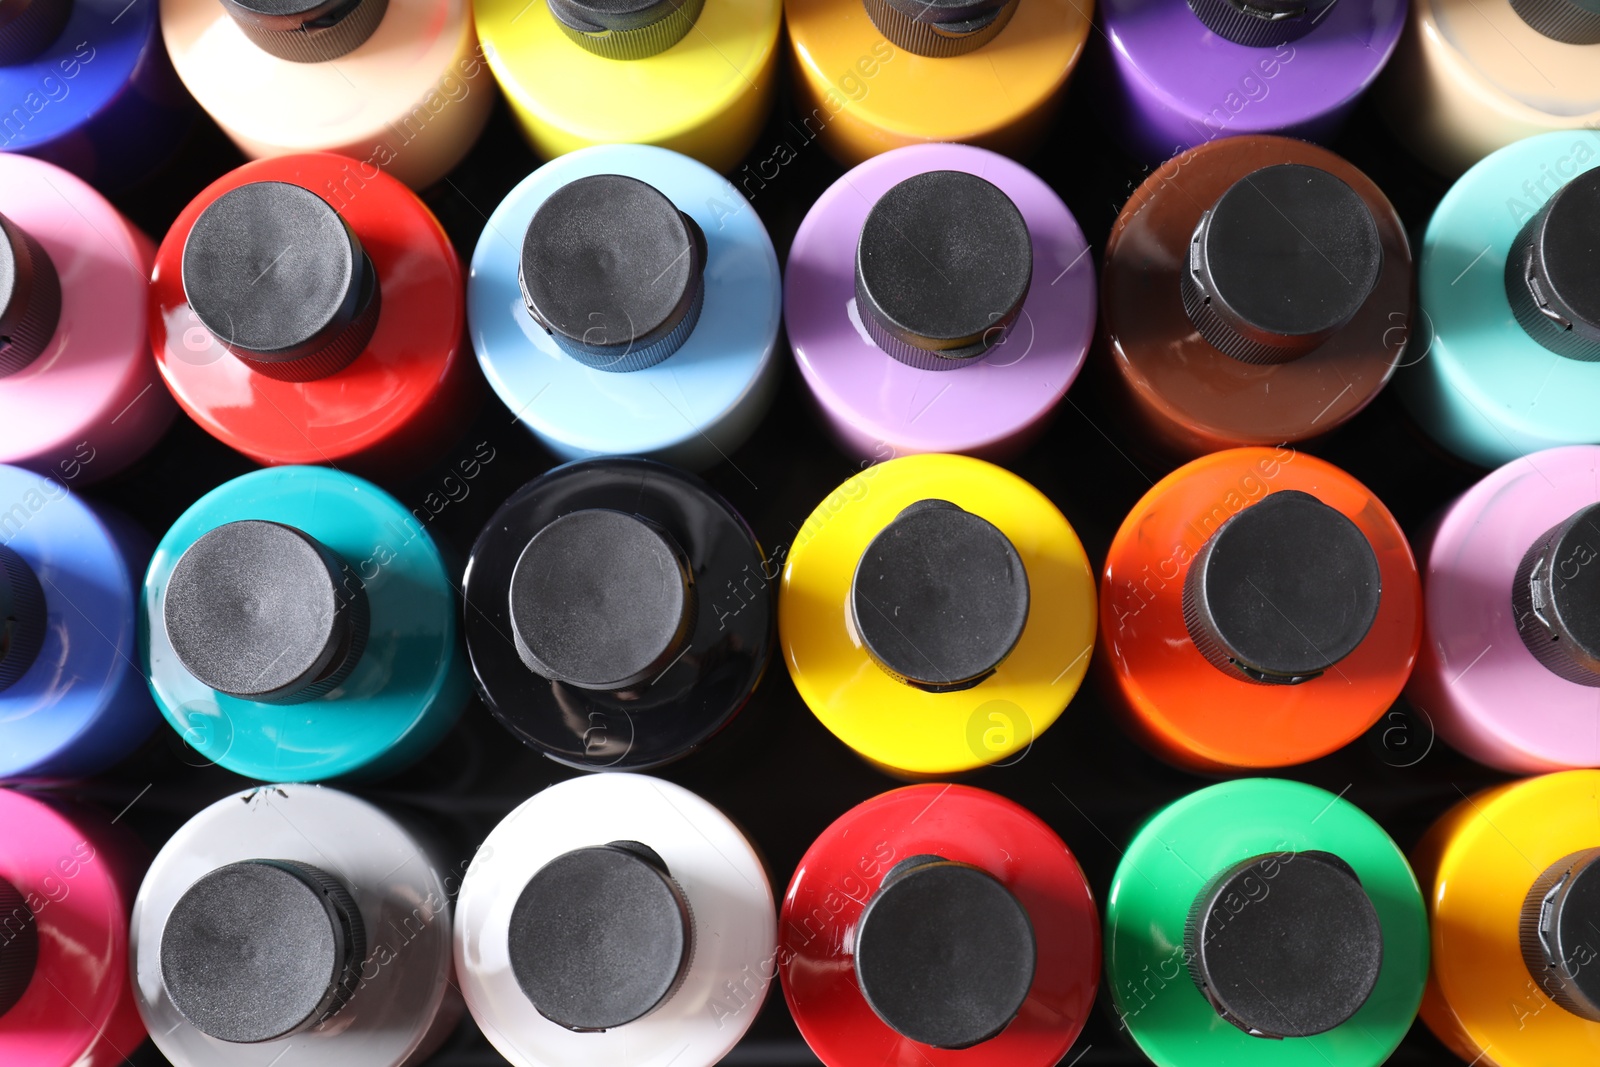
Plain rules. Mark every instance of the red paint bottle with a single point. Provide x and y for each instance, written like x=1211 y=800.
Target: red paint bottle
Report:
x=310 y=309
x=943 y=925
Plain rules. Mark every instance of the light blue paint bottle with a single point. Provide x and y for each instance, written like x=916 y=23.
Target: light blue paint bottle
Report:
x=1494 y=384
x=72 y=701
x=299 y=624
x=658 y=326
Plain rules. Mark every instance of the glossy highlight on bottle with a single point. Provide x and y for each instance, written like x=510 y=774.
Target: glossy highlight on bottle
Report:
x=968 y=892
x=1234 y=637
x=1029 y=304
x=1268 y=906
x=355 y=669
x=1001 y=603
x=364 y=368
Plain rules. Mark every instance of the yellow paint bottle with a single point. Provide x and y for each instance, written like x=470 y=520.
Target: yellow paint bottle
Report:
x=1513 y=882
x=695 y=76
x=871 y=75
x=937 y=614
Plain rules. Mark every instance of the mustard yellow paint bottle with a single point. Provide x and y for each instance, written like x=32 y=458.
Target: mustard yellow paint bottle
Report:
x=871 y=75
x=1513 y=882
x=937 y=614
x=695 y=76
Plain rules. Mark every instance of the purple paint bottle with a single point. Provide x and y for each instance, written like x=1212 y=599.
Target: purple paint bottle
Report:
x=1174 y=74
x=939 y=298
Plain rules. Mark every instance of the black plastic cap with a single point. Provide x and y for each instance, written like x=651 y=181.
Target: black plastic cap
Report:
x=22 y=617
x=602 y=600
x=262 y=949
x=30 y=298
x=1261 y=23
x=940 y=28
x=1282 y=260
x=1567 y=21
x=943 y=265
x=600 y=936
x=939 y=598
x=19 y=946
x=1285 y=945
x=626 y=29
x=944 y=953
x=1560 y=917
x=614 y=272
x=28 y=27
x=265 y=612
x=1555 y=598
x=1282 y=591
x=1553 y=271
x=276 y=275
x=307 y=31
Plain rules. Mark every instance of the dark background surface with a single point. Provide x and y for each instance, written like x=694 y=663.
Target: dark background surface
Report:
x=776 y=770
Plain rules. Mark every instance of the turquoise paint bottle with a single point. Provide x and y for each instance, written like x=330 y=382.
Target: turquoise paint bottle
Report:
x=298 y=624
x=1485 y=385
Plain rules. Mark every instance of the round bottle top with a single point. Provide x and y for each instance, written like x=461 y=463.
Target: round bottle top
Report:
x=939 y=598
x=281 y=281
x=940 y=28
x=22 y=617
x=28 y=27
x=614 y=272
x=1282 y=591
x=262 y=949
x=1567 y=21
x=944 y=953
x=1261 y=23
x=1279 y=263
x=1553 y=271
x=1285 y=945
x=1557 y=931
x=1555 y=598
x=602 y=600
x=307 y=31
x=600 y=936
x=626 y=29
x=265 y=612
x=19 y=946
x=30 y=298
x=943 y=265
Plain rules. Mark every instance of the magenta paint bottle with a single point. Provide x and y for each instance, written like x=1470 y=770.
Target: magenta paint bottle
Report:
x=939 y=298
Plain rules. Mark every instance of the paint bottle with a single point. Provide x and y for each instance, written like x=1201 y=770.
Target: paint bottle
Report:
x=88 y=87
x=1256 y=291
x=1265 y=922
x=615 y=918
x=624 y=300
x=299 y=623
x=72 y=703
x=939 y=924
x=872 y=75
x=1174 y=74
x=695 y=76
x=930 y=259
x=1259 y=608
x=79 y=398
x=618 y=613
x=1473 y=76
x=936 y=614
x=294 y=917
x=1511 y=299
x=1508 y=671
x=310 y=310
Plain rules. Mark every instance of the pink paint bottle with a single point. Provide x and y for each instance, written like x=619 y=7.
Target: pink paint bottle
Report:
x=939 y=298
x=79 y=395
x=1509 y=671
x=67 y=881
